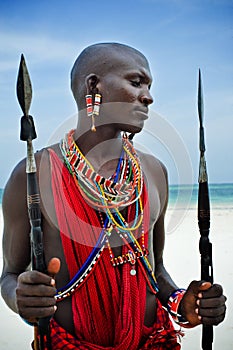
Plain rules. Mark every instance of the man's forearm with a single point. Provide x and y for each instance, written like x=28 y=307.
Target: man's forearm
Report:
x=8 y=291
x=165 y=283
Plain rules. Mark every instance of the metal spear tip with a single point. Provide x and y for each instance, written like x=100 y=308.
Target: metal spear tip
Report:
x=24 y=87
x=201 y=114
x=200 y=99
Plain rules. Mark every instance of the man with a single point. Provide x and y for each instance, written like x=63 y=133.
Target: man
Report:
x=103 y=206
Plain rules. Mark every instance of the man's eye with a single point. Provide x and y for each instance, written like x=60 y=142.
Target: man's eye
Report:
x=136 y=83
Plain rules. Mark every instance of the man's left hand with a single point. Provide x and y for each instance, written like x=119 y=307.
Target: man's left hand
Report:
x=203 y=303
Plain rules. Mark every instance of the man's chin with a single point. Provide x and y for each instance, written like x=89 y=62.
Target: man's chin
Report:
x=132 y=129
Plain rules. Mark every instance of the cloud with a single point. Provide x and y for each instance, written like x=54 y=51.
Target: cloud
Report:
x=38 y=48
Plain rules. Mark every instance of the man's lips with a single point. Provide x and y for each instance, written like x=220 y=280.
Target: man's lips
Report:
x=142 y=111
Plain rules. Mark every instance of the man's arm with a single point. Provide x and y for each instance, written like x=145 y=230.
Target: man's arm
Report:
x=29 y=293
x=16 y=234
x=157 y=184
x=165 y=282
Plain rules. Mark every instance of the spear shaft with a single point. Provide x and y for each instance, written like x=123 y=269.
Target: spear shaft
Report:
x=28 y=133
x=205 y=247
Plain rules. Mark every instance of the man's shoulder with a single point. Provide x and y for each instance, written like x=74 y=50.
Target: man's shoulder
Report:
x=155 y=174
x=42 y=155
x=151 y=163
x=18 y=174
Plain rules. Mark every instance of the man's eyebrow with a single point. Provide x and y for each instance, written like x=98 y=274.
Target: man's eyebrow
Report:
x=142 y=75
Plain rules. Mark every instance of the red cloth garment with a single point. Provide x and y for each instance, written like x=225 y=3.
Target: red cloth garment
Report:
x=159 y=337
x=162 y=335
x=109 y=307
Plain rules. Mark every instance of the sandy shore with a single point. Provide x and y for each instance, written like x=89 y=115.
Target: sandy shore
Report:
x=182 y=261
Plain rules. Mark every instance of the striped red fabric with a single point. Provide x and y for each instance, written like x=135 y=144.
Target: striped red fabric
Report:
x=108 y=310
x=159 y=337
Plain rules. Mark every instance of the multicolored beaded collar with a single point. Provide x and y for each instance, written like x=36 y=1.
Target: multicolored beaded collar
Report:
x=116 y=191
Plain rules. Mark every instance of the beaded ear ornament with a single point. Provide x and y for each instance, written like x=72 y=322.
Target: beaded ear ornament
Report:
x=93 y=110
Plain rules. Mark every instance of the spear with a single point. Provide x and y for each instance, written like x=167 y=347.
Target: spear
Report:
x=205 y=247
x=28 y=133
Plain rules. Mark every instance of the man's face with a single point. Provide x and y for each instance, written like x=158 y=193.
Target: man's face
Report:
x=125 y=93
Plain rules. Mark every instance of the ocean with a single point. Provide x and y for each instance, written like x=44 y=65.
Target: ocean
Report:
x=221 y=195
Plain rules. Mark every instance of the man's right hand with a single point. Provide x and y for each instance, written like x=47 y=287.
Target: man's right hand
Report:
x=35 y=293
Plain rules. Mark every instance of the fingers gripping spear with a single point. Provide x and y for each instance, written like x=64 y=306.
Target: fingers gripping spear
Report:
x=205 y=246
x=28 y=133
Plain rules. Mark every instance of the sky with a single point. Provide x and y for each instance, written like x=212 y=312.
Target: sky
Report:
x=177 y=36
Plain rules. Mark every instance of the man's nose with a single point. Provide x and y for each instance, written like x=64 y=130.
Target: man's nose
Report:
x=146 y=98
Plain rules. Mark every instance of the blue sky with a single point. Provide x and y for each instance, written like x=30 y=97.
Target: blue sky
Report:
x=177 y=37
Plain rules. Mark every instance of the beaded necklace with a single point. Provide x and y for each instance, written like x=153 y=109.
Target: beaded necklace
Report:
x=120 y=190
x=106 y=193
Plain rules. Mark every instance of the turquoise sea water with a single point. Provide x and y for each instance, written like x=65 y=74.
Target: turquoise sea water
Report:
x=221 y=195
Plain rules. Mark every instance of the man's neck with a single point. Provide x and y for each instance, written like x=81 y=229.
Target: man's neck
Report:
x=101 y=148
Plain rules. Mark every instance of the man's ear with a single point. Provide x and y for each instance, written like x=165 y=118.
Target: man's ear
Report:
x=91 y=82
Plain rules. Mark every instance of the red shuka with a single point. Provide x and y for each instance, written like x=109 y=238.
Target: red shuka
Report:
x=109 y=307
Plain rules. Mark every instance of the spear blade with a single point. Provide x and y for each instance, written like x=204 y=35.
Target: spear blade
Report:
x=24 y=94
x=200 y=98
x=201 y=114
x=203 y=177
x=24 y=87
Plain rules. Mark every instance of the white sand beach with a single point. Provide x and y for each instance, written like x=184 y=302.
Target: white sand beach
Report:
x=182 y=261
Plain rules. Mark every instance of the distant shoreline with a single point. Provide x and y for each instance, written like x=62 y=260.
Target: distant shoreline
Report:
x=185 y=196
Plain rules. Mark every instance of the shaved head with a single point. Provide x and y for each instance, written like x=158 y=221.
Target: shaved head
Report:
x=99 y=59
